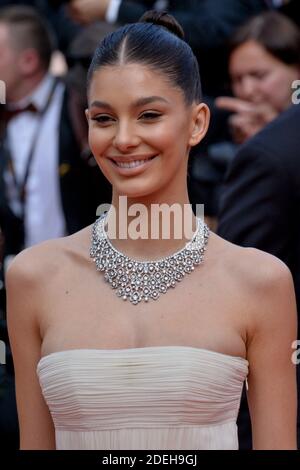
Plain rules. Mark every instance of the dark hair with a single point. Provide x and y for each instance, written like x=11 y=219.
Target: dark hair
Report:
x=157 y=41
x=275 y=32
x=29 y=30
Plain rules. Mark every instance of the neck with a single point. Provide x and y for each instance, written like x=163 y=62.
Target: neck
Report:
x=150 y=228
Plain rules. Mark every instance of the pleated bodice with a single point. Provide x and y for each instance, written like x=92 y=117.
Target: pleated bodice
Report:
x=160 y=397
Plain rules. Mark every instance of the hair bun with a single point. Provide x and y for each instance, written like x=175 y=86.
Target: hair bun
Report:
x=162 y=18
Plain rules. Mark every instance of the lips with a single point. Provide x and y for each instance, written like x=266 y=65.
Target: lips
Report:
x=132 y=163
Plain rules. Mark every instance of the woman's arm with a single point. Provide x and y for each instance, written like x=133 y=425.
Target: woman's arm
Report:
x=22 y=280
x=272 y=377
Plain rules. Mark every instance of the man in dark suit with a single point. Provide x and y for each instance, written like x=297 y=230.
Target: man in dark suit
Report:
x=260 y=203
x=25 y=73
x=47 y=188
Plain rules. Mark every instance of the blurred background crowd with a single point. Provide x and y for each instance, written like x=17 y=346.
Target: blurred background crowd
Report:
x=246 y=172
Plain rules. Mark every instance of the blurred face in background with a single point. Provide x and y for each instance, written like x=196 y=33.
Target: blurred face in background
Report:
x=20 y=67
x=259 y=77
x=9 y=61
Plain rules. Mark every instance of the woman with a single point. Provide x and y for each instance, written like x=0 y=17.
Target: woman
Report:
x=264 y=61
x=164 y=369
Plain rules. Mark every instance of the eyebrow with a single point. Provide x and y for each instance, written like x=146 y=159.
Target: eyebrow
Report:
x=136 y=104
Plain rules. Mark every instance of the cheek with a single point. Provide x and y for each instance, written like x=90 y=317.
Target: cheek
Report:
x=237 y=90
x=175 y=134
x=98 y=143
x=160 y=138
x=12 y=67
x=279 y=80
x=98 y=140
x=6 y=68
x=277 y=88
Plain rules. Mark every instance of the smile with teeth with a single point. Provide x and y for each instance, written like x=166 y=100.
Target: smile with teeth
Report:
x=133 y=164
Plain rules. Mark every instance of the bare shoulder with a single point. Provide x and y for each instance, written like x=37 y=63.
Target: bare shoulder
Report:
x=249 y=267
x=262 y=281
x=255 y=267
x=261 y=288
x=44 y=261
x=31 y=282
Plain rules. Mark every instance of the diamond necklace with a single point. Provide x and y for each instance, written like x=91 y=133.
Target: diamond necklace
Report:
x=145 y=280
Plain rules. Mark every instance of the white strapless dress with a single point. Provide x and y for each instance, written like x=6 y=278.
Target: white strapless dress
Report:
x=158 y=397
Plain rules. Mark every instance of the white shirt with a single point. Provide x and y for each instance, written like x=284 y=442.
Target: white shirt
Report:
x=44 y=218
x=112 y=11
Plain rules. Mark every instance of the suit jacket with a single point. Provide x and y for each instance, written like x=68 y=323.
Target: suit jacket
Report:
x=82 y=187
x=261 y=196
x=207 y=25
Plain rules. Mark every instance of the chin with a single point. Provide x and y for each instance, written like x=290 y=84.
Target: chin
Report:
x=135 y=194
x=136 y=191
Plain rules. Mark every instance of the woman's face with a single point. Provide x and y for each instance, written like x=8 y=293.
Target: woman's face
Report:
x=259 y=77
x=141 y=130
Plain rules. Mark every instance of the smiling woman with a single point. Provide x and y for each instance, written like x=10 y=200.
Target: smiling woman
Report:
x=152 y=112
x=164 y=370
x=134 y=134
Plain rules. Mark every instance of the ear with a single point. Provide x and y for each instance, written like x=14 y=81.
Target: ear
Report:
x=29 y=61
x=199 y=124
x=87 y=115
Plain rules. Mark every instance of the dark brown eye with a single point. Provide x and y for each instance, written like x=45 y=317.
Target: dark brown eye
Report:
x=103 y=119
x=150 y=115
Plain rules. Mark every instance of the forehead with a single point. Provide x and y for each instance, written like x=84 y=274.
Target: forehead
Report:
x=250 y=55
x=129 y=81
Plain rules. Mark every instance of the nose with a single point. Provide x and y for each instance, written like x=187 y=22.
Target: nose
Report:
x=126 y=137
x=248 y=89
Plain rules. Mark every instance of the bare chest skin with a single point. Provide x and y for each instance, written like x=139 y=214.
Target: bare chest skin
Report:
x=79 y=310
